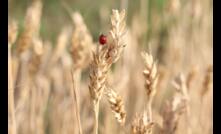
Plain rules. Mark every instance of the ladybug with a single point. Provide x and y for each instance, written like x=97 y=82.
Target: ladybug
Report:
x=103 y=39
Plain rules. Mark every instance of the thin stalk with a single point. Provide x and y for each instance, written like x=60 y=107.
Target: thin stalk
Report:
x=150 y=111
x=96 y=114
x=74 y=96
x=149 y=108
x=11 y=92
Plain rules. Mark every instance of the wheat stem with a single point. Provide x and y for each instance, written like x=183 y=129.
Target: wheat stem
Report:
x=11 y=92
x=74 y=96
x=96 y=114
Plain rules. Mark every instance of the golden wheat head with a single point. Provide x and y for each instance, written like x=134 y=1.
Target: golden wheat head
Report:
x=117 y=106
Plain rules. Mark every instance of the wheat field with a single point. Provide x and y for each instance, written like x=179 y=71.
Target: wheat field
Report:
x=129 y=69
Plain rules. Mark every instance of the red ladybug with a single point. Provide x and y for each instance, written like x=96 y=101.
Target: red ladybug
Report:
x=103 y=39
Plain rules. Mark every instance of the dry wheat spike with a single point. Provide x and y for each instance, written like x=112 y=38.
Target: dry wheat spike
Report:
x=151 y=79
x=150 y=74
x=31 y=26
x=117 y=106
x=115 y=42
x=98 y=74
x=81 y=42
x=142 y=124
x=103 y=59
x=174 y=109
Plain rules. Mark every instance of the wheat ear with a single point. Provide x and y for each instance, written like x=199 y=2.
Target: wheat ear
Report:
x=151 y=78
x=81 y=43
x=174 y=109
x=31 y=27
x=25 y=40
x=103 y=59
x=117 y=106
x=142 y=124
x=98 y=74
x=116 y=36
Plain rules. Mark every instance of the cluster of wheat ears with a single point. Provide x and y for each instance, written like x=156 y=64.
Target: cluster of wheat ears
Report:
x=62 y=89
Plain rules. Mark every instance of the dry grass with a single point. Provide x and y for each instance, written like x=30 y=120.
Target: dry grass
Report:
x=80 y=86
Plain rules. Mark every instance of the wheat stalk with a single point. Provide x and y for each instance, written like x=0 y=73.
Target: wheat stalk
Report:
x=103 y=59
x=143 y=124
x=12 y=34
x=98 y=74
x=74 y=96
x=81 y=43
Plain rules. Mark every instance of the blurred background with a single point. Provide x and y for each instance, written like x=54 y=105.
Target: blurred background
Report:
x=156 y=16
